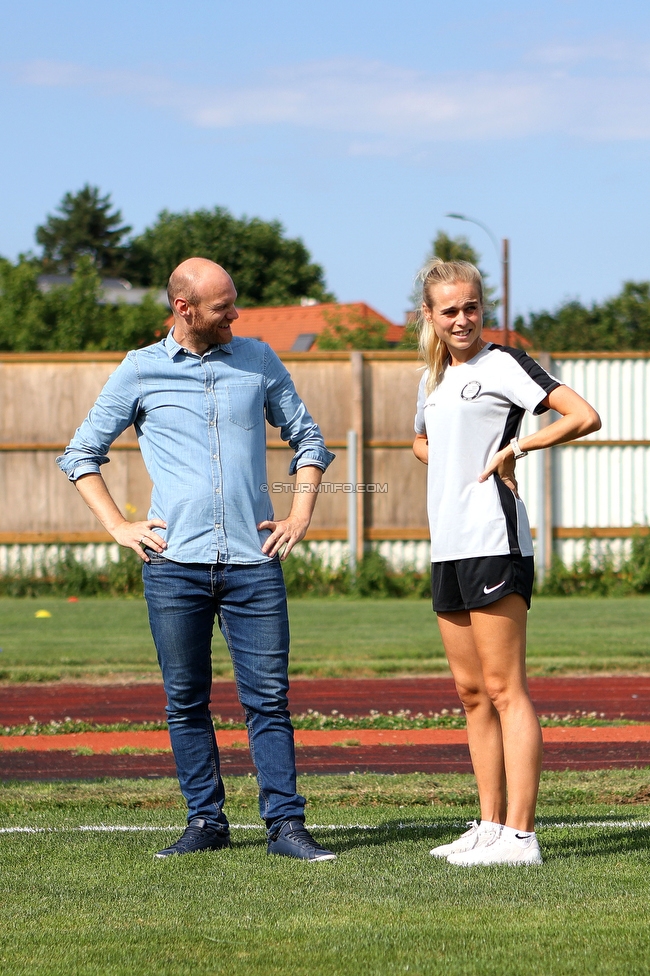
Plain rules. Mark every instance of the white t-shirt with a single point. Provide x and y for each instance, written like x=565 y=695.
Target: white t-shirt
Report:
x=474 y=412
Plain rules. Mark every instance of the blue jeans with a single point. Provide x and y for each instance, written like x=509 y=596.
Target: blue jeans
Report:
x=250 y=604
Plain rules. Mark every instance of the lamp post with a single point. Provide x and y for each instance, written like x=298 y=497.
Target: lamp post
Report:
x=503 y=254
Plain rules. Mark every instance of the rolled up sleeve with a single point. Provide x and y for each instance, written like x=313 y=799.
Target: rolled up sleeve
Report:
x=115 y=409
x=285 y=409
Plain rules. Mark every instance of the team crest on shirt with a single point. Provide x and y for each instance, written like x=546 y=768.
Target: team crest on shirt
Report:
x=471 y=390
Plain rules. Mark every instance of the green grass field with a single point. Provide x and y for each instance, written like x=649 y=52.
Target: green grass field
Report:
x=89 y=902
x=330 y=637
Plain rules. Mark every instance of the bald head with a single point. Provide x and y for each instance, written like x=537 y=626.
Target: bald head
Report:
x=192 y=278
x=202 y=297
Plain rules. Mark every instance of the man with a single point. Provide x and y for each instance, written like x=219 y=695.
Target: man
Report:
x=198 y=400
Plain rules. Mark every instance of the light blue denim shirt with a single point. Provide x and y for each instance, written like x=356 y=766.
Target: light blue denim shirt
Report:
x=200 y=426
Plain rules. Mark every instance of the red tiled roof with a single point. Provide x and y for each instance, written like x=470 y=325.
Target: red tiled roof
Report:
x=281 y=326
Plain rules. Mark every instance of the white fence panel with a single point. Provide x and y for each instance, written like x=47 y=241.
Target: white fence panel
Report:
x=601 y=485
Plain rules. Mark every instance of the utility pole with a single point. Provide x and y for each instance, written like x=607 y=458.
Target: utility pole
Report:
x=505 y=288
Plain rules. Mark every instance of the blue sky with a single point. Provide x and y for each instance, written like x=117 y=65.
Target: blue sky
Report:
x=357 y=124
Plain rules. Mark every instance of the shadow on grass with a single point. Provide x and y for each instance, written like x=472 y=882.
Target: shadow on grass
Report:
x=589 y=841
x=390 y=832
x=355 y=837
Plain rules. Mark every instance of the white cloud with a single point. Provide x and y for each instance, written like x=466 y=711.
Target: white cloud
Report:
x=131 y=84
x=606 y=51
x=378 y=107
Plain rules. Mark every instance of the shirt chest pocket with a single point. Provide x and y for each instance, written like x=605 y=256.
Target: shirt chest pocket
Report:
x=245 y=405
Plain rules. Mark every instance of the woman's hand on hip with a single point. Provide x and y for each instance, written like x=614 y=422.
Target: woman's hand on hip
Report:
x=503 y=465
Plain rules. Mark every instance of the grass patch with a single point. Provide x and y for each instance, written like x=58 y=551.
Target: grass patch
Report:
x=403 y=719
x=88 y=902
x=138 y=751
x=331 y=637
x=94 y=637
x=75 y=801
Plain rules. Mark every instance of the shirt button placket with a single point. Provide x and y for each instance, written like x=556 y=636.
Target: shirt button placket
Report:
x=216 y=467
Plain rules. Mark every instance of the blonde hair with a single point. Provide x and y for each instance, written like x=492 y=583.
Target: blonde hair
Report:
x=433 y=350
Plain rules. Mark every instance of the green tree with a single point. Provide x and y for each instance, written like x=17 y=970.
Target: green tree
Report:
x=453 y=249
x=71 y=317
x=22 y=326
x=349 y=328
x=85 y=227
x=267 y=267
x=619 y=323
x=628 y=315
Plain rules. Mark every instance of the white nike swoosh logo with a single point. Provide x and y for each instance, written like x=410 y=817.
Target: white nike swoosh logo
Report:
x=491 y=589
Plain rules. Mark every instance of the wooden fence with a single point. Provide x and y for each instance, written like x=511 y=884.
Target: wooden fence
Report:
x=597 y=488
x=44 y=397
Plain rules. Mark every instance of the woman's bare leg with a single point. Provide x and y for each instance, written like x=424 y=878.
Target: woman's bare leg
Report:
x=499 y=635
x=483 y=726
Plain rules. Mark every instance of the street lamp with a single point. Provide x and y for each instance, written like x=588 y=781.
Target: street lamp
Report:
x=504 y=256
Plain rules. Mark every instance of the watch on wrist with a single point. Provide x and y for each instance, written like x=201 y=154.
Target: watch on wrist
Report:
x=516 y=450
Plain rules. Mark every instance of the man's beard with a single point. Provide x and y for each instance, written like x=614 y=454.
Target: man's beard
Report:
x=202 y=331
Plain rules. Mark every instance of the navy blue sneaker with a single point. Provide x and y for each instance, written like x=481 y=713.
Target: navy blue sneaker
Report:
x=292 y=839
x=199 y=835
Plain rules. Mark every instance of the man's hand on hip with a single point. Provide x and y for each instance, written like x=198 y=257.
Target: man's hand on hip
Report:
x=284 y=533
x=287 y=532
x=137 y=535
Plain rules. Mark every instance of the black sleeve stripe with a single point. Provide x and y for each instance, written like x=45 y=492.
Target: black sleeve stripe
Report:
x=534 y=370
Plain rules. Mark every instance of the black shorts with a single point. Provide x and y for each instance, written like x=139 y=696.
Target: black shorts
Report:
x=468 y=584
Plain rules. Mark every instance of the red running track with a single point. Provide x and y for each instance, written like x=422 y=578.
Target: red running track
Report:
x=376 y=759
x=614 y=696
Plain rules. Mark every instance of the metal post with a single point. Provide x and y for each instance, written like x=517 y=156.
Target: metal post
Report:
x=358 y=425
x=505 y=288
x=352 y=501
x=548 y=505
x=545 y=493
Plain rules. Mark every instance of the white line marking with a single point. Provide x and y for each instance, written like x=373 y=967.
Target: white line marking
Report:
x=118 y=828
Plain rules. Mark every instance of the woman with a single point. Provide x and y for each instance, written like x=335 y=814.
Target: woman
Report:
x=471 y=402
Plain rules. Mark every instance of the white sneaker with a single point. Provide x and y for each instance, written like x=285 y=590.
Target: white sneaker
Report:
x=472 y=839
x=500 y=851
